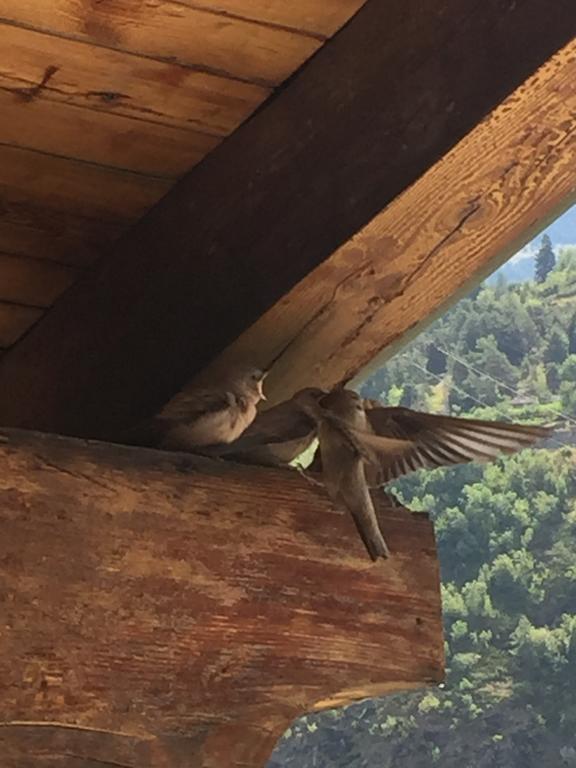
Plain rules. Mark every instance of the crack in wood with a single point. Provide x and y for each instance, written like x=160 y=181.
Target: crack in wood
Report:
x=366 y=265
x=220 y=12
x=96 y=760
x=32 y=92
x=473 y=207
x=109 y=97
x=70 y=473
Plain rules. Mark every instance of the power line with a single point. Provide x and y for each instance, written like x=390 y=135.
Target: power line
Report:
x=497 y=381
x=475 y=399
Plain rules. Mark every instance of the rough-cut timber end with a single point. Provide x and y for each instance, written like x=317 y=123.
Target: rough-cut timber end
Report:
x=164 y=610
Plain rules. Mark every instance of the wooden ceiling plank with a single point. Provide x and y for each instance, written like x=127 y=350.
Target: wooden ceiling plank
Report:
x=36 y=65
x=28 y=229
x=430 y=245
x=173 y=31
x=317 y=17
x=62 y=184
x=15 y=320
x=33 y=282
x=100 y=137
x=362 y=122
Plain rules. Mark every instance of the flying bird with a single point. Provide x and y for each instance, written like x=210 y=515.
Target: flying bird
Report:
x=204 y=416
x=279 y=435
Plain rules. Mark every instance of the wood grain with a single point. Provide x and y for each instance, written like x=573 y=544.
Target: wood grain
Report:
x=317 y=17
x=171 y=30
x=112 y=81
x=431 y=245
x=16 y=320
x=31 y=229
x=33 y=281
x=100 y=137
x=152 y=602
x=58 y=183
x=273 y=202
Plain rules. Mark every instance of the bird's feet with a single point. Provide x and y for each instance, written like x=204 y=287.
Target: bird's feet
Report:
x=312 y=480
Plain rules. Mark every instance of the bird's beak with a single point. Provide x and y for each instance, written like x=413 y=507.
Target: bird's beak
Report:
x=260 y=384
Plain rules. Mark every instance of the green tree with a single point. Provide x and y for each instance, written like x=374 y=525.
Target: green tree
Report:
x=572 y=336
x=556 y=348
x=545 y=260
x=568 y=385
x=437 y=362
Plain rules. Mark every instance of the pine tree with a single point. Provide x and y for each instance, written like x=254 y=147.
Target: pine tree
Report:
x=545 y=260
x=556 y=349
x=436 y=362
x=572 y=336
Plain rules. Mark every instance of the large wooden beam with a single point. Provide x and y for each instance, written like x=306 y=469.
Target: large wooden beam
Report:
x=480 y=204
x=159 y=609
x=374 y=109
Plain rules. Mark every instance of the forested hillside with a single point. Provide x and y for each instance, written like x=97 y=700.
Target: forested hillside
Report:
x=507 y=543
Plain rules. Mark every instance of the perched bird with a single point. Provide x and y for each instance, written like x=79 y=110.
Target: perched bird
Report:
x=279 y=435
x=436 y=441
x=203 y=417
x=343 y=432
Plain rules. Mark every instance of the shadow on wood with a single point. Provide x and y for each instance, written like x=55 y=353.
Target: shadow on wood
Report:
x=162 y=610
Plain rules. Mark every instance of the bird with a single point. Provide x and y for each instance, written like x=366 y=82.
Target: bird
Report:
x=278 y=435
x=202 y=417
x=364 y=445
x=343 y=432
x=433 y=440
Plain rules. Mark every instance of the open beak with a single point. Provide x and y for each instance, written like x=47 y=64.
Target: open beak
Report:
x=260 y=385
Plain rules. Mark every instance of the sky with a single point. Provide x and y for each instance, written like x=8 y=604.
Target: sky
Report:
x=520 y=266
x=561 y=232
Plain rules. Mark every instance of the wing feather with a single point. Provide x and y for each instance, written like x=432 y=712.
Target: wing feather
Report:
x=426 y=441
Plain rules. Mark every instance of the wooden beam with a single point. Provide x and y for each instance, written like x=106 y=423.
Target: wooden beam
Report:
x=431 y=245
x=15 y=320
x=155 y=612
x=381 y=103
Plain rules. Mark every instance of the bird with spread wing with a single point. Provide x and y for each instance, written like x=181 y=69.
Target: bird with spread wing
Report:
x=364 y=444
x=384 y=443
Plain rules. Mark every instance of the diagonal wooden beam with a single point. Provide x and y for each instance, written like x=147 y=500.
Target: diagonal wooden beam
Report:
x=430 y=246
x=374 y=109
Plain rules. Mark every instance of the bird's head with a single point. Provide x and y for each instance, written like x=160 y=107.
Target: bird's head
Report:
x=343 y=402
x=249 y=381
x=307 y=399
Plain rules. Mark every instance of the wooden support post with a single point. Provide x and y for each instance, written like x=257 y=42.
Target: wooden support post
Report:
x=161 y=610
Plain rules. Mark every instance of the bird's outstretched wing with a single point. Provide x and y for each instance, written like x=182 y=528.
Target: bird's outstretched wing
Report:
x=438 y=441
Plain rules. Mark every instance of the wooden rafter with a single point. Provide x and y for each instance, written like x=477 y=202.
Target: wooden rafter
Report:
x=372 y=112
x=482 y=202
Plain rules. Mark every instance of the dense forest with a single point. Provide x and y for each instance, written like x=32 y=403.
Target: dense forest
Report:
x=507 y=544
